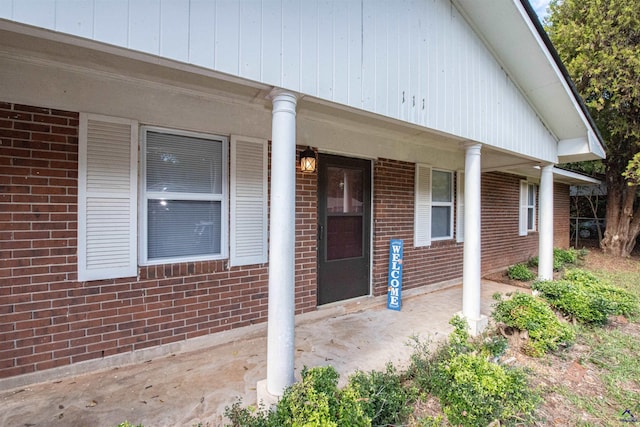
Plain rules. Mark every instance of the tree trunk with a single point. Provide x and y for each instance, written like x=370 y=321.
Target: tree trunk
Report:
x=623 y=224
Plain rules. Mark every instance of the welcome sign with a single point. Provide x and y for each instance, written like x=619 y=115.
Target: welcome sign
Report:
x=394 y=290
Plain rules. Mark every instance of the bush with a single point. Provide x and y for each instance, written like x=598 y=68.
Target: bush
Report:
x=472 y=390
x=528 y=313
x=520 y=272
x=586 y=298
x=562 y=258
x=316 y=401
x=383 y=396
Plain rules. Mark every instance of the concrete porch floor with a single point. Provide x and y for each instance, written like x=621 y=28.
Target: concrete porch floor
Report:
x=194 y=387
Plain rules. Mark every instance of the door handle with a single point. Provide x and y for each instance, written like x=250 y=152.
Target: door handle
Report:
x=320 y=231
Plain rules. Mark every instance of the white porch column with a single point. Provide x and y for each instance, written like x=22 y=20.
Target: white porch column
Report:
x=545 y=219
x=472 y=256
x=280 y=326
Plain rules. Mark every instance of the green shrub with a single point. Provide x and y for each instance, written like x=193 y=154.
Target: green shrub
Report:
x=520 y=272
x=472 y=390
x=317 y=401
x=128 y=424
x=586 y=298
x=528 y=313
x=561 y=258
x=249 y=417
x=566 y=256
x=475 y=392
x=314 y=401
x=383 y=396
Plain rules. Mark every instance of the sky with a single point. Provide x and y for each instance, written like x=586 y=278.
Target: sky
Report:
x=540 y=6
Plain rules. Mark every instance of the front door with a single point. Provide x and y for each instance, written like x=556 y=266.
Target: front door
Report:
x=344 y=227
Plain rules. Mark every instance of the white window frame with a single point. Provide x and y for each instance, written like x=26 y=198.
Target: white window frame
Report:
x=526 y=187
x=460 y=206
x=222 y=198
x=449 y=204
x=532 y=188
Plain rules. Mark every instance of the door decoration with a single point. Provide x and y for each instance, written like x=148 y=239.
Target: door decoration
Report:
x=394 y=290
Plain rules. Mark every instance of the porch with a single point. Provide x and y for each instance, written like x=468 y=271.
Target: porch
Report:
x=197 y=383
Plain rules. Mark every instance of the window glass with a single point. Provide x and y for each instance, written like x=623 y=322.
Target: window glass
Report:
x=441 y=204
x=440 y=221
x=531 y=207
x=177 y=163
x=179 y=228
x=345 y=190
x=441 y=186
x=184 y=195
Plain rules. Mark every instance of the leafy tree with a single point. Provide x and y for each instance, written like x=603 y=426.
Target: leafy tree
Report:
x=599 y=43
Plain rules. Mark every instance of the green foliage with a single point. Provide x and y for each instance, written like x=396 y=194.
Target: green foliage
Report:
x=128 y=424
x=384 y=397
x=586 y=298
x=495 y=345
x=316 y=401
x=249 y=417
x=528 y=313
x=599 y=43
x=472 y=390
x=520 y=272
x=566 y=256
x=561 y=258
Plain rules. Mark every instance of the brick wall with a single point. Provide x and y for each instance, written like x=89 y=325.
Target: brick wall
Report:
x=49 y=319
x=561 y=216
x=501 y=244
x=393 y=207
x=306 y=239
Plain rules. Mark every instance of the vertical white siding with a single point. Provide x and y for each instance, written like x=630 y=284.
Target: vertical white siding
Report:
x=414 y=60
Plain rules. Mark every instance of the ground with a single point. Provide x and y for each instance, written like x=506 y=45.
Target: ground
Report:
x=567 y=373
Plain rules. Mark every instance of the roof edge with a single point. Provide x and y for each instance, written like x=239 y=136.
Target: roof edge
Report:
x=565 y=74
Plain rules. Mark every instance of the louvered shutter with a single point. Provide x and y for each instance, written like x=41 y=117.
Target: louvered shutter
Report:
x=107 y=198
x=248 y=201
x=422 y=216
x=524 y=200
x=460 y=207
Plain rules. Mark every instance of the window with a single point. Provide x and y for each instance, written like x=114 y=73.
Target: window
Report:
x=433 y=214
x=184 y=196
x=527 y=207
x=441 y=204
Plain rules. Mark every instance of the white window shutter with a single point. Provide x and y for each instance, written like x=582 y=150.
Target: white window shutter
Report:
x=524 y=204
x=249 y=193
x=107 y=198
x=422 y=215
x=460 y=207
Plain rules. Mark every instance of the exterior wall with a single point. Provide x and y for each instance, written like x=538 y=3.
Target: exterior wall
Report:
x=393 y=213
x=561 y=216
x=49 y=319
x=408 y=61
x=501 y=244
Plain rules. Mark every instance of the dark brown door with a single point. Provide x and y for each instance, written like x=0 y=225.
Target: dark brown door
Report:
x=344 y=216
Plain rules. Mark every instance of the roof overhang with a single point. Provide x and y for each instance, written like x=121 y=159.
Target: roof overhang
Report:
x=573 y=178
x=514 y=34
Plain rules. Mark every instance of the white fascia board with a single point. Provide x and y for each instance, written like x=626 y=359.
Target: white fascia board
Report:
x=573 y=178
x=531 y=65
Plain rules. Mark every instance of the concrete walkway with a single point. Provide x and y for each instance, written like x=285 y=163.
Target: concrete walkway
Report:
x=194 y=387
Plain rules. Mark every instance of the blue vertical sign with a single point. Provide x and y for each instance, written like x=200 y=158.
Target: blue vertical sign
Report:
x=394 y=290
